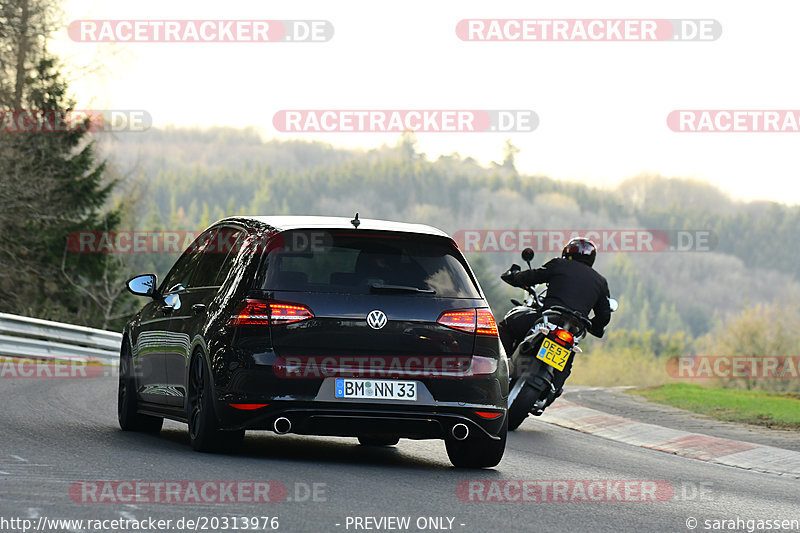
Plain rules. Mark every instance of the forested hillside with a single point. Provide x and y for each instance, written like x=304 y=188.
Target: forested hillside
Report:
x=187 y=179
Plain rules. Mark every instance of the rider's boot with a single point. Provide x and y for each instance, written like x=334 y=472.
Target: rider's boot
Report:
x=541 y=405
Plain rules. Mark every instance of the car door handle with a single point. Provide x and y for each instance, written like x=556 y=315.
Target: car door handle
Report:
x=166 y=309
x=198 y=309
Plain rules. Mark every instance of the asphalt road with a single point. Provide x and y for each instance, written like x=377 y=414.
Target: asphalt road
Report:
x=55 y=433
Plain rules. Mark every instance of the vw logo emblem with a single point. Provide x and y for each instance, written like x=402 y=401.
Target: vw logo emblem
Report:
x=376 y=319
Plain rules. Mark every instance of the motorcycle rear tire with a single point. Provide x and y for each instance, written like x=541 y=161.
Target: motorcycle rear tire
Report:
x=519 y=410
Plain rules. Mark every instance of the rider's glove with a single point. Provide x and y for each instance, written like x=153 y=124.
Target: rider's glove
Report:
x=509 y=276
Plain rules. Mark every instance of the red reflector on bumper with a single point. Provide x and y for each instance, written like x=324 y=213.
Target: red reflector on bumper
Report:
x=248 y=406
x=491 y=415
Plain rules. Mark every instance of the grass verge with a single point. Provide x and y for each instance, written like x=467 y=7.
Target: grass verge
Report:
x=763 y=408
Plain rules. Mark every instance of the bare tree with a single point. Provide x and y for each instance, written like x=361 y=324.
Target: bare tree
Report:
x=24 y=28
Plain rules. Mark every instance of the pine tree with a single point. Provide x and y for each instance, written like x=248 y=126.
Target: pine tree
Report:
x=52 y=185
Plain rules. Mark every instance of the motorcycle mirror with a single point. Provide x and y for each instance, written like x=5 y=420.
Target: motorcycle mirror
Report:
x=527 y=255
x=613 y=304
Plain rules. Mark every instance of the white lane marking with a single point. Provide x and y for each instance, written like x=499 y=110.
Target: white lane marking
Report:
x=33 y=512
x=127 y=515
x=21 y=459
x=131 y=506
x=4 y=473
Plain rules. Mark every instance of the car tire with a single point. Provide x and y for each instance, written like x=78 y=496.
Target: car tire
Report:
x=127 y=402
x=204 y=432
x=379 y=440
x=519 y=410
x=478 y=450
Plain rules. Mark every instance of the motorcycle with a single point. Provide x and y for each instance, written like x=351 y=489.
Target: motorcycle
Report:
x=546 y=348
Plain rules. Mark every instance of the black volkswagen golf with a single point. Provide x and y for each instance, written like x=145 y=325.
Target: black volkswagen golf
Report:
x=318 y=326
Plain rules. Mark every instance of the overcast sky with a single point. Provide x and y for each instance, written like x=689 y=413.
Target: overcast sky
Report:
x=602 y=106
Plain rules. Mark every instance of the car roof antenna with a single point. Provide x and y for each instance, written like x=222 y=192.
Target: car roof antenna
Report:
x=355 y=222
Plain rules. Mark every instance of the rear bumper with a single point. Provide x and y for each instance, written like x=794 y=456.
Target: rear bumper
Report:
x=312 y=408
x=355 y=419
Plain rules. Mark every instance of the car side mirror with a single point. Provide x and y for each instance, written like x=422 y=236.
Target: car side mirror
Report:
x=613 y=304
x=144 y=285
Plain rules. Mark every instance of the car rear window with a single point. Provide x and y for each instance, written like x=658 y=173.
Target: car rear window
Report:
x=361 y=263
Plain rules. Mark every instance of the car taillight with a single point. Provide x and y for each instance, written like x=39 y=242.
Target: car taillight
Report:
x=479 y=321
x=565 y=336
x=486 y=324
x=261 y=313
x=463 y=320
x=287 y=313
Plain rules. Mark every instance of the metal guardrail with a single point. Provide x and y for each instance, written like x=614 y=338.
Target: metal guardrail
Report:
x=42 y=339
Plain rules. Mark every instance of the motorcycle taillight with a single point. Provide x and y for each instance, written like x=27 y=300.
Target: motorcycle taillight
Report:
x=564 y=338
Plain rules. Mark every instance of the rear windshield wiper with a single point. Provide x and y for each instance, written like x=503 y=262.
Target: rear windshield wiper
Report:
x=399 y=288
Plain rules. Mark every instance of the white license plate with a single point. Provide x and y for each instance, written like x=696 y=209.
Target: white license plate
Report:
x=377 y=389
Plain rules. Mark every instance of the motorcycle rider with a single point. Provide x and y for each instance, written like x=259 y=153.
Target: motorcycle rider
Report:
x=573 y=284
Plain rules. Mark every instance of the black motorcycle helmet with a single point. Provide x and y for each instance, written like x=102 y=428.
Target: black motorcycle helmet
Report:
x=580 y=249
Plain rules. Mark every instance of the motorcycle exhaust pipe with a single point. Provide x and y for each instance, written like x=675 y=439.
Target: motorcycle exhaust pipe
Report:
x=460 y=431
x=282 y=425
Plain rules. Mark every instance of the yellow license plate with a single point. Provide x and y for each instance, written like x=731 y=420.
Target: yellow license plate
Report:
x=553 y=354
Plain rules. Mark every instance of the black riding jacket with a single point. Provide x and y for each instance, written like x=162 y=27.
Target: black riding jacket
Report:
x=573 y=285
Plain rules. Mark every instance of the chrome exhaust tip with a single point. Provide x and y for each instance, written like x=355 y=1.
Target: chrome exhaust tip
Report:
x=460 y=431
x=282 y=425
